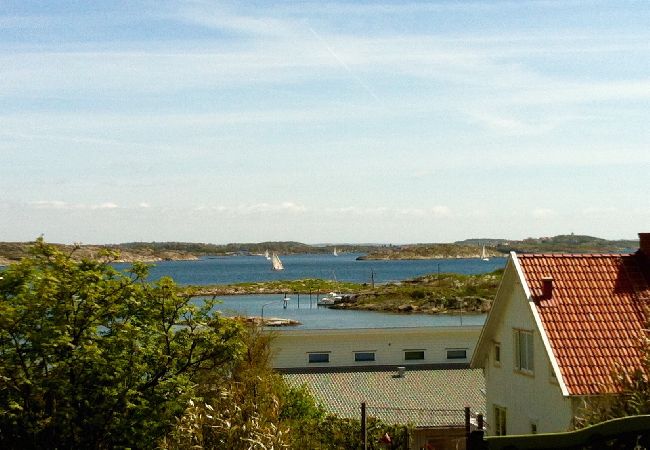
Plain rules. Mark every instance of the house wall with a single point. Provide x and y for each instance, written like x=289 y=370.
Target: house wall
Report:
x=528 y=398
x=292 y=347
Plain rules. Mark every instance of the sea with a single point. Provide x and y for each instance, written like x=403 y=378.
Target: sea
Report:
x=345 y=267
x=303 y=308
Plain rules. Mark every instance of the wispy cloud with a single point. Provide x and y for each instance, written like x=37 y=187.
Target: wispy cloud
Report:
x=62 y=205
x=543 y=213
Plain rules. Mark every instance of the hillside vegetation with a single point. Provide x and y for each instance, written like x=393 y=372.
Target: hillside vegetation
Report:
x=431 y=294
x=470 y=248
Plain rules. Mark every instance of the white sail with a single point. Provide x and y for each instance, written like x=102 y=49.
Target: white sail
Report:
x=266 y=255
x=277 y=264
x=335 y=253
x=484 y=255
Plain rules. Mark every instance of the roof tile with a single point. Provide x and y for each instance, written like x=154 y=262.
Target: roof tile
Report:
x=595 y=317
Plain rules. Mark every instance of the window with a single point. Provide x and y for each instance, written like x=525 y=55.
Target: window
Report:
x=319 y=357
x=364 y=356
x=497 y=353
x=524 y=351
x=412 y=355
x=533 y=428
x=499 y=421
x=456 y=353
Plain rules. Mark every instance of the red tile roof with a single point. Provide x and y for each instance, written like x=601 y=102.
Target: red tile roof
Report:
x=595 y=316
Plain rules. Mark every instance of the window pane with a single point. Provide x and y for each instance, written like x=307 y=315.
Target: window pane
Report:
x=524 y=350
x=413 y=355
x=457 y=354
x=319 y=357
x=529 y=351
x=364 y=356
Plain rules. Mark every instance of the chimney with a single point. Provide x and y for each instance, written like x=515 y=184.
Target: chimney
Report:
x=547 y=288
x=644 y=244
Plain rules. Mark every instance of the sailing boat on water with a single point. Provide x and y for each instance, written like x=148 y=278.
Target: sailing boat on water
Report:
x=275 y=261
x=335 y=253
x=484 y=255
x=266 y=255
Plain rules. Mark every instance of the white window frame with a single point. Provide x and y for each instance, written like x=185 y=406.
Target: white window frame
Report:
x=524 y=351
x=496 y=354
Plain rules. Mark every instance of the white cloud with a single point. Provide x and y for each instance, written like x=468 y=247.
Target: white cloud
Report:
x=105 y=205
x=58 y=204
x=50 y=204
x=543 y=213
x=441 y=211
x=219 y=18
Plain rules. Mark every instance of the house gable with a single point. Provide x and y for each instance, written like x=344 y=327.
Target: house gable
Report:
x=527 y=395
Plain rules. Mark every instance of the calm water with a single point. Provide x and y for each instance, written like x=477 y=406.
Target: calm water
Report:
x=345 y=267
x=239 y=269
x=325 y=318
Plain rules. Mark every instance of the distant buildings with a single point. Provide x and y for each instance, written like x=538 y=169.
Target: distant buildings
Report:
x=417 y=376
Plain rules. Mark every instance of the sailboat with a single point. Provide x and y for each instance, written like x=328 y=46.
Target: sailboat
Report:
x=335 y=252
x=266 y=255
x=275 y=260
x=484 y=255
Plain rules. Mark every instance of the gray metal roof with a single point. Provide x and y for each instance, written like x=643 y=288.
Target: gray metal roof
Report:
x=423 y=398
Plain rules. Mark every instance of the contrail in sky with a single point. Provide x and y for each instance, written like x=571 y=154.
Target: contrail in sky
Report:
x=359 y=80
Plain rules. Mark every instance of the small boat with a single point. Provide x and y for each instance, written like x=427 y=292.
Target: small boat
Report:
x=276 y=263
x=266 y=255
x=484 y=255
x=330 y=299
x=335 y=253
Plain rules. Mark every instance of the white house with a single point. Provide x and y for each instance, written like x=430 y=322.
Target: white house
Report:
x=557 y=327
x=443 y=346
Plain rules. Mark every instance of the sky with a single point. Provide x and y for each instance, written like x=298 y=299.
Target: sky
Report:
x=323 y=122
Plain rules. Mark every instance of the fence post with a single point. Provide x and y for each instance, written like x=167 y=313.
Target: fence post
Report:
x=364 y=431
x=467 y=427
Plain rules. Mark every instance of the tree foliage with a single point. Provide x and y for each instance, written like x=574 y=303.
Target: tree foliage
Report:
x=95 y=358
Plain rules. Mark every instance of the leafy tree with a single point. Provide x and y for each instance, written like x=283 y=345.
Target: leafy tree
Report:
x=94 y=358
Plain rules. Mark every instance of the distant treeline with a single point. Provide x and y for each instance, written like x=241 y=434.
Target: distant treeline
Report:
x=565 y=243
x=469 y=248
x=283 y=247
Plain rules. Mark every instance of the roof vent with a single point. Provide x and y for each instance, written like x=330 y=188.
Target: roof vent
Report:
x=400 y=371
x=547 y=288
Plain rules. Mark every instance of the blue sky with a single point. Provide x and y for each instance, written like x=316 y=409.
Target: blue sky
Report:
x=323 y=121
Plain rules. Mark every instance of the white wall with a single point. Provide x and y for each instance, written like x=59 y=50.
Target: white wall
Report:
x=527 y=398
x=291 y=347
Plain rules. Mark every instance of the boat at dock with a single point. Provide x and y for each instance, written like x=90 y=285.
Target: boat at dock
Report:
x=330 y=299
